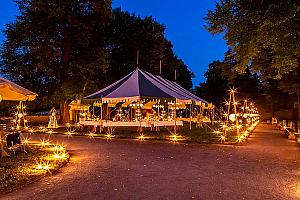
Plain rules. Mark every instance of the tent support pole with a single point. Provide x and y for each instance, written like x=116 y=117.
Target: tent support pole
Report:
x=101 y=111
x=140 y=118
x=190 y=116
x=175 y=128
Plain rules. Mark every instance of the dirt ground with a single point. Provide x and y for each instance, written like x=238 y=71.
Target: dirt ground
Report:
x=265 y=167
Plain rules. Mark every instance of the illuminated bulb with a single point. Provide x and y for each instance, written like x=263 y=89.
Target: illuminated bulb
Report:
x=39 y=166
x=174 y=137
x=91 y=135
x=26 y=141
x=109 y=136
x=217 y=132
x=46 y=167
x=222 y=138
x=141 y=137
x=69 y=133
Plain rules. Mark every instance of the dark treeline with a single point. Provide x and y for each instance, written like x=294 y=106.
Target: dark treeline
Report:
x=264 y=57
x=67 y=49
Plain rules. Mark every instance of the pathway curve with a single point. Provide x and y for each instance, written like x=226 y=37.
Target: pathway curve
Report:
x=266 y=167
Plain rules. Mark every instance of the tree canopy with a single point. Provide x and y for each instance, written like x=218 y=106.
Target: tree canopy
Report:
x=263 y=36
x=215 y=88
x=54 y=45
x=67 y=49
x=261 y=33
x=129 y=34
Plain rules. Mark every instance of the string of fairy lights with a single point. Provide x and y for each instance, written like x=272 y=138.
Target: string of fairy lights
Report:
x=239 y=119
x=55 y=154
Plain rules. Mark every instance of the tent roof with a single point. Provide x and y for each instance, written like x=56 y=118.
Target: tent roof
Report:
x=14 y=92
x=142 y=84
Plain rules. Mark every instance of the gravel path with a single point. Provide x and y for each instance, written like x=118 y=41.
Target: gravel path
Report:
x=266 y=167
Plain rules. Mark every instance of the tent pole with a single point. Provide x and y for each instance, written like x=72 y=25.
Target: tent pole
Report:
x=140 y=118
x=158 y=110
x=137 y=58
x=175 y=131
x=160 y=67
x=101 y=111
x=107 y=112
x=190 y=116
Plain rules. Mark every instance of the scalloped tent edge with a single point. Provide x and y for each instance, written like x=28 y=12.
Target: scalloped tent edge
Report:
x=140 y=84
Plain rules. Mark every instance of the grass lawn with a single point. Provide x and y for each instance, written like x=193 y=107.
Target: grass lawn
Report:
x=26 y=167
x=199 y=135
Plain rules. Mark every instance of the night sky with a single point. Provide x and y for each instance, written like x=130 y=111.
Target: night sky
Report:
x=184 y=28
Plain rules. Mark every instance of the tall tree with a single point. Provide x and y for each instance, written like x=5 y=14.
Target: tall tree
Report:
x=263 y=34
x=260 y=30
x=53 y=46
x=214 y=89
x=220 y=78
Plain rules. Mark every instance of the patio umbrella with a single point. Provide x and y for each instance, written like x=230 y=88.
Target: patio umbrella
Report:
x=13 y=92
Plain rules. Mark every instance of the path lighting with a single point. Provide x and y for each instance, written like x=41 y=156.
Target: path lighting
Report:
x=109 y=136
x=91 y=135
x=222 y=138
x=141 y=137
x=39 y=166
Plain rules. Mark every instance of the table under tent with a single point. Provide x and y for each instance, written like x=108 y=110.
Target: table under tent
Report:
x=142 y=99
x=10 y=91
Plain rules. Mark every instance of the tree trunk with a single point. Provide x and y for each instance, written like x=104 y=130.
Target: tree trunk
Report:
x=298 y=104
x=298 y=109
x=64 y=112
